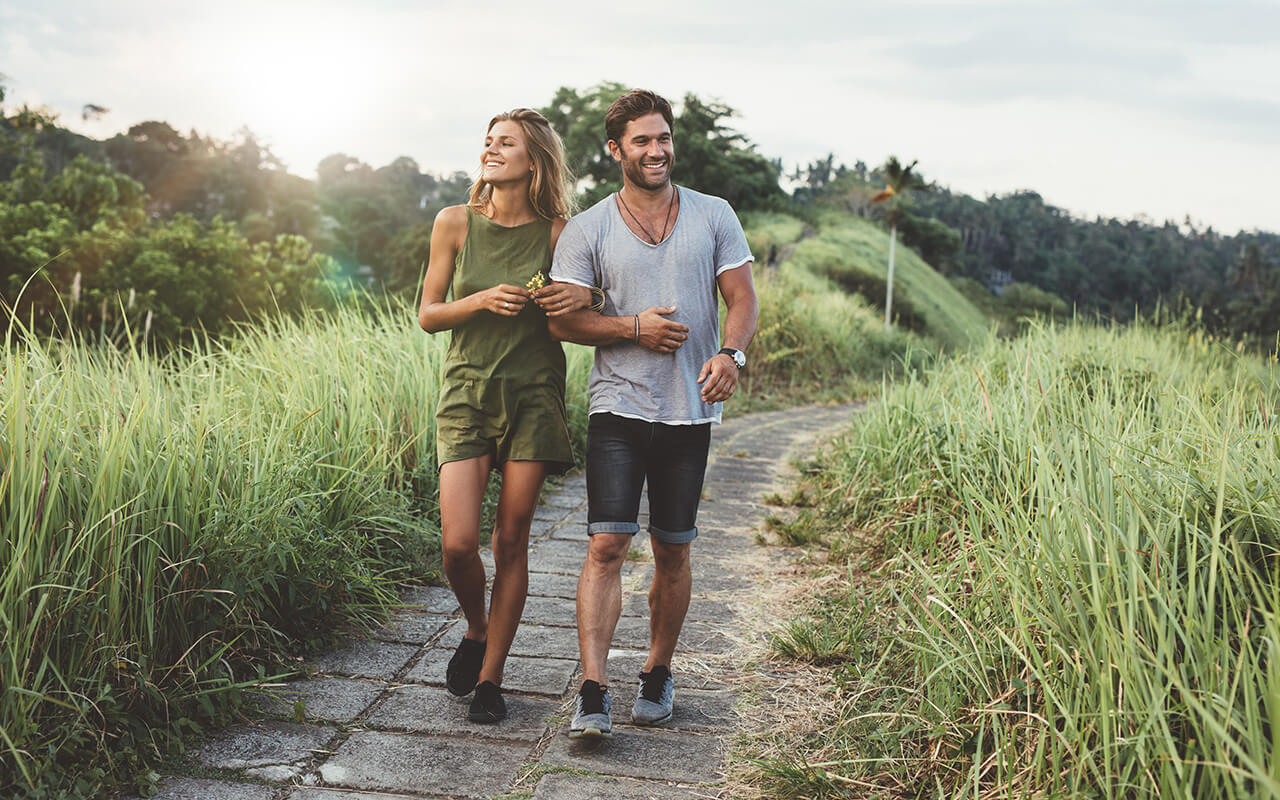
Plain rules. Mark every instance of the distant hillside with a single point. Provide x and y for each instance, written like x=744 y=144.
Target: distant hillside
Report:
x=854 y=253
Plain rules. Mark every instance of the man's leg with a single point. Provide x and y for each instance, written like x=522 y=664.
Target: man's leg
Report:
x=677 y=466
x=615 y=477
x=668 y=600
x=600 y=601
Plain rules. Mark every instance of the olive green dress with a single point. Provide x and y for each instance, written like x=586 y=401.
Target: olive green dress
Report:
x=503 y=386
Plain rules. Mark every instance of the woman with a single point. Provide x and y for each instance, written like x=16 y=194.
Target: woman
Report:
x=502 y=398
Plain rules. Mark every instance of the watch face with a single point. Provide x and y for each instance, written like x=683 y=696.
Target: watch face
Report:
x=740 y=358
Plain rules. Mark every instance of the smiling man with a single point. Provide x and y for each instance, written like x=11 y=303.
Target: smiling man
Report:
x=661 y=253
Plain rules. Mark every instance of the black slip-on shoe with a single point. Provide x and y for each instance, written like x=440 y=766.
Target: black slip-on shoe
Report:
x=487 y=706
x=464 y=668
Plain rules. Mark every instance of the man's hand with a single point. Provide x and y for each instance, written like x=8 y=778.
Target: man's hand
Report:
x=659 y=333
x=719 y=378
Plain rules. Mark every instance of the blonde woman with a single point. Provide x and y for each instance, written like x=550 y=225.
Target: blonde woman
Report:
x=502 y=398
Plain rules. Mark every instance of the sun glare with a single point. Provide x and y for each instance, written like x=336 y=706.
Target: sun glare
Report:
x=304 y=94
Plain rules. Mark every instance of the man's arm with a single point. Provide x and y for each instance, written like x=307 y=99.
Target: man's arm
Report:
x=719 y=376
x=650 y=328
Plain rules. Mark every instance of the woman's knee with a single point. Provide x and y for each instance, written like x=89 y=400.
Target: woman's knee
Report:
x=459 y=549
x=510 y=547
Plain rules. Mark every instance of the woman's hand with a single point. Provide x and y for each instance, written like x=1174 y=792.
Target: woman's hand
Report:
x=562 y=298
x=504 y=299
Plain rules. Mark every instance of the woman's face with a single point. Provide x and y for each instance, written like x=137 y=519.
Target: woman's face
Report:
x=506 y=156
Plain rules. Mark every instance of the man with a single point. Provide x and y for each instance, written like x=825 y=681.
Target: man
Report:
x=660 y=253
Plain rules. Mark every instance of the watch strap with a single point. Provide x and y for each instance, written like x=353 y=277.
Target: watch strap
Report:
x=739 y=357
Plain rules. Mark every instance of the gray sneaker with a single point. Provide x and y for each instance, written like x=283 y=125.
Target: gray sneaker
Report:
x=591 y=713
x=654 y=698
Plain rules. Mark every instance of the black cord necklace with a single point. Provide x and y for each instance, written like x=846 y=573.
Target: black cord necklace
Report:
x=670 y=205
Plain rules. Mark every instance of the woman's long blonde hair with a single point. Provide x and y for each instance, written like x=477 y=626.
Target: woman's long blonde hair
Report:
x=549 y=188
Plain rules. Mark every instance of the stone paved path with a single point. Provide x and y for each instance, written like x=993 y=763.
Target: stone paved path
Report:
x=379 y=724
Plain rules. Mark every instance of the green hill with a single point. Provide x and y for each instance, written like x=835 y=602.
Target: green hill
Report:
x=854 y=253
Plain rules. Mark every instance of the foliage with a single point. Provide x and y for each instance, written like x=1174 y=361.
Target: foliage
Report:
x=79 y=248
x=175 y=526
x=1072 y=543
x=1016 y=307
x=1116 y=267
x=372 y=207
x=937 y=243
x=768 y=232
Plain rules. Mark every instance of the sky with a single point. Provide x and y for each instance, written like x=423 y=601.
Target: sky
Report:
x=1154 y=110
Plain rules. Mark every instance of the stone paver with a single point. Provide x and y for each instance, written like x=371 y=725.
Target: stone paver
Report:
x=575 y=787
x=424 y=709
x=382 y=739
x=313 y=793
x=205 y=789
x=552 y=584
x=266 y=744
x=366 y=658
x=390 y=762
x=333 y=699
x=564 y=556
x=555 y=611
x=411 y=628
x=642 y=753
x=530 y=674
x=431 y=599
x=625 y=665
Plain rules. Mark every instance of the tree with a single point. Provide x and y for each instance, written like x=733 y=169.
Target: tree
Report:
x=579 y=119
x=899 y=181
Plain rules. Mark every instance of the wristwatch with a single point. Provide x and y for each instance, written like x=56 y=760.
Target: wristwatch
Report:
x=739 y=357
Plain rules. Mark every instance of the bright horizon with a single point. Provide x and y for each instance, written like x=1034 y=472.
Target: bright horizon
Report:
x=1136 y=111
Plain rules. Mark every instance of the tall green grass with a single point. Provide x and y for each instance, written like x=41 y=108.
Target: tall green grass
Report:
x=815 y=343
x=1072 y=541
x=173 y=525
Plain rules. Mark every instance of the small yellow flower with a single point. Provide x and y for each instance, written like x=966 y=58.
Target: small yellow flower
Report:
x=538 y=280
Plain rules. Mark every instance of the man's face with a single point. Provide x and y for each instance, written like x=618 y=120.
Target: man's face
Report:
x=645 y=152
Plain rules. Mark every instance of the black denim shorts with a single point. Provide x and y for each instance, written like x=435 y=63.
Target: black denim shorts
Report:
x=622 y=453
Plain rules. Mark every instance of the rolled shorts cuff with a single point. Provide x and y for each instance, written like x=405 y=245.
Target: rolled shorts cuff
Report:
x=673 y=537
x=629 y=528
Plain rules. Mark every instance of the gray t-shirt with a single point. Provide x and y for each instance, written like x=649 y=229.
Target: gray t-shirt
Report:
x=597 y=248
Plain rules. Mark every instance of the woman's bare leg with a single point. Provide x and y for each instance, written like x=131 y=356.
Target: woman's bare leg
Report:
x=521 y=485
x=462 y=485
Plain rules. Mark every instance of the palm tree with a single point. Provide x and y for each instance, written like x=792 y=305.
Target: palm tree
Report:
x=899 y=181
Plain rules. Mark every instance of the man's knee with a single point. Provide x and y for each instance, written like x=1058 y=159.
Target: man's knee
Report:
x=669 y=557
x=608 y=550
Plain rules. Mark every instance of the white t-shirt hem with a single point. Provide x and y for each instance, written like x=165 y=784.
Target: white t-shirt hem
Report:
x=715 y=420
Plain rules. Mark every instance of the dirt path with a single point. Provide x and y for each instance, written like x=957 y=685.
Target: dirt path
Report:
x=379 y=724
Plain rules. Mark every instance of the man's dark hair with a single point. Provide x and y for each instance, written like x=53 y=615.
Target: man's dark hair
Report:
x=634 y=105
